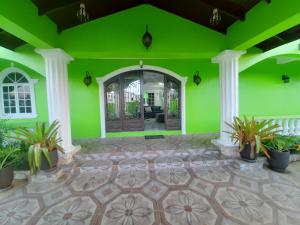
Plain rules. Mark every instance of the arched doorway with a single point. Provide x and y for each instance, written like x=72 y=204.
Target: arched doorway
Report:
x=125 y=100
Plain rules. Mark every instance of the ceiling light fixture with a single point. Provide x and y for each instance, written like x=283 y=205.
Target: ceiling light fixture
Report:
x=82 y=14
x=216 y=17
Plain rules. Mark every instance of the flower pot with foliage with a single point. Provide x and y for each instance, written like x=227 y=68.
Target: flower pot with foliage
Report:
x=279 y=150
x=44 y=145
x=249 y=133
x=7 y=159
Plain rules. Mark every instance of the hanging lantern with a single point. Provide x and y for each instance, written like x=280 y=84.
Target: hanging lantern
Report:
x=197 y=78
x=82 y=14
x=147 y=38
x=87 y=79
x=216 y=17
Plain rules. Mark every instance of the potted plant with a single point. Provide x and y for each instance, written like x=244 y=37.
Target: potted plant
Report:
x=279 y=151
x=7 y=159
x=249 y=133
x=44 y=144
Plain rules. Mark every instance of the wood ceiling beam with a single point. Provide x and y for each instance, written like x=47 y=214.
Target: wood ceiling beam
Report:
x=224 y=8
x=45 y=7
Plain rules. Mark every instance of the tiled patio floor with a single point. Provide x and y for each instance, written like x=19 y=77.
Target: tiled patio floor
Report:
x=187 y=187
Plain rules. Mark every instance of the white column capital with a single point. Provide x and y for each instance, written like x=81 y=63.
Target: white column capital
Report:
x=54 y=53
x=227 y=55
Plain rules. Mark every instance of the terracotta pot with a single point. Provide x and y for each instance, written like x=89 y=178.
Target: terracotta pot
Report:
x=45 y=164
x=246 y=153
x=279 y=161
x=6 y=177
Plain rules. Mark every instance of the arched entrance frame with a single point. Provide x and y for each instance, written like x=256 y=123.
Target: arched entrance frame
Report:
x=101 y=81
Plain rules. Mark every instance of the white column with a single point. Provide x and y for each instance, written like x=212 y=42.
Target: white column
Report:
x=229 y=91
x=56 y=63
x=183 y=107
x=102 y=106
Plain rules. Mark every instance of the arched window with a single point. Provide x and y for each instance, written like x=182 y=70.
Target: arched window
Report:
x=17 y=94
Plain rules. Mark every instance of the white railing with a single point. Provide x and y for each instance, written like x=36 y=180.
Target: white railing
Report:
x=289 y=125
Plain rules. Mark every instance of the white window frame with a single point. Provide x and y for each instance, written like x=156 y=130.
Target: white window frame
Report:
x=31 y=83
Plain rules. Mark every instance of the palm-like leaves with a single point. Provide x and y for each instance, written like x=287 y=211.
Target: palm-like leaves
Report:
x=248 y=131
x=42 y=140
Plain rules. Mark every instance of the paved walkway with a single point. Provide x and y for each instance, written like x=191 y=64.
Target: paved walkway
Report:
x=156 y=187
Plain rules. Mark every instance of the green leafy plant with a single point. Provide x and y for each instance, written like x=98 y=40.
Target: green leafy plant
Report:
x=282 y=143
x=252 y=132
x=41 y=140
x=8 y=156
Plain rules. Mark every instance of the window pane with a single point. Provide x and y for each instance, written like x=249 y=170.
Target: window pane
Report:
x=26 y=88
x=132 y=97
x=5 y=89
x=27 y=96
x=28 y=103
x=173 y=99
x=113 y=103
x=21 y=103
x=28 y=109
x=5 y=96
x=20 y=89
x=12 y=77
x=21 y=96
x=13 y=109
x=6 y=103
x=11 y=88
x=6 y=110
x=22 y=109
x=12 y=103
x=7 y=80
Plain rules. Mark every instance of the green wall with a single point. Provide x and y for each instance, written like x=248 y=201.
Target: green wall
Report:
x=202 y=103
x=40 y=95
x=263 y=93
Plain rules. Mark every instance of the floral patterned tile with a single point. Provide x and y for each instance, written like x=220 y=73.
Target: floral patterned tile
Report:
x=246 y=184
x=173 y=176
x=187 y=208
x=132 y=178
x=282 y=195
x=129 y=209
x=155 y=190
x=90 y=181
x=56 y=196
x=73 y=211
x=202 y=187
x=212 y=174
x=18 y=212
x=107 y=192
x=244 y=206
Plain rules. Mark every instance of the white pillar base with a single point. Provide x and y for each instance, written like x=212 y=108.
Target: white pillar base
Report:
x=69 y=153
x=227 y=148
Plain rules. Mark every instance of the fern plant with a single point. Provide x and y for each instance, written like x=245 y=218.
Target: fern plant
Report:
x=252 y=132
x=42 y=140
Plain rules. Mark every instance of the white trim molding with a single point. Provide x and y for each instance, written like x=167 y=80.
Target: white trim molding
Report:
x=101 y=81
x=31 y=83
x=56 y=69
x=228 y=61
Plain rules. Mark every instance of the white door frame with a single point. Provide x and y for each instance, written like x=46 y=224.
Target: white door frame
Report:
x=101 y=81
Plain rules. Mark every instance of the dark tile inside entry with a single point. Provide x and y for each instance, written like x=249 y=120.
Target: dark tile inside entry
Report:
x=154 y=137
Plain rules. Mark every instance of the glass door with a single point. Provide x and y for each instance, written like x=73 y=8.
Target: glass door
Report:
x=113 y=109
x=132 y=101
x=172 y=104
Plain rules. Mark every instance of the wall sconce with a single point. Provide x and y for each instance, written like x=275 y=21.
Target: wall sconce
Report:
x=197 y=78
x=87 y=79
x=141 y=63
x=285 y=78
x=147 y=38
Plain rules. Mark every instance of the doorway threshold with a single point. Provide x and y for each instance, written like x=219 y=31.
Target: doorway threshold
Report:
x=150 y=137
x=142 y=133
